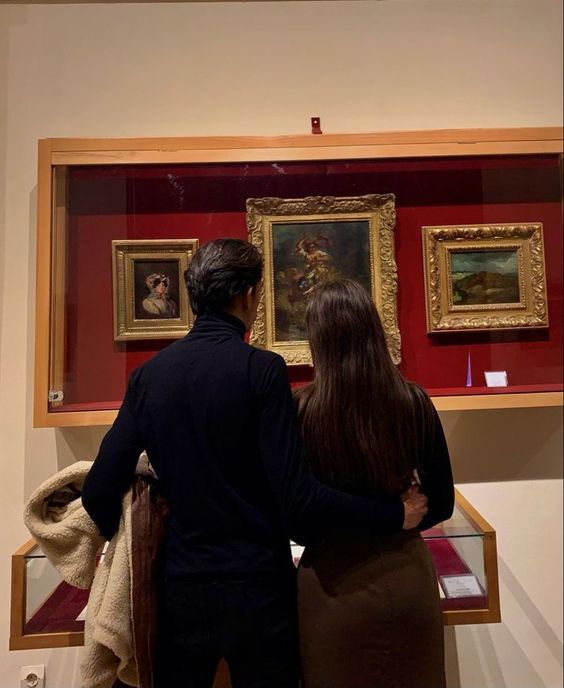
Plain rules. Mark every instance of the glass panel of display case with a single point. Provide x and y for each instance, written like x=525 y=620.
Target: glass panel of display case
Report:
x=457 y=548
x=97 y=204
x=52 y=605
x=47 y=612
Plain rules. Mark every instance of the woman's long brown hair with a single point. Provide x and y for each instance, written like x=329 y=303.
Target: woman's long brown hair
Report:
x=360 y=419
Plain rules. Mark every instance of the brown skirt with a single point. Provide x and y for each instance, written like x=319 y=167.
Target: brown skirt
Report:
x=370 y=615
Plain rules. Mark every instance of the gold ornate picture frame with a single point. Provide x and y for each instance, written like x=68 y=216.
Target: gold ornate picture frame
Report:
x=308 y=240
x=150 y=299
x=483 y=277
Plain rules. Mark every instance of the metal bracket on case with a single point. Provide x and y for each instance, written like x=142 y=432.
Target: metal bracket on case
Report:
x=55 y=395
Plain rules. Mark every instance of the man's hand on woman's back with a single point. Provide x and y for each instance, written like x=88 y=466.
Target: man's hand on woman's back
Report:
x=414 y=506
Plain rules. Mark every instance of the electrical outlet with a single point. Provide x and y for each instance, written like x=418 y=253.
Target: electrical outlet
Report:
x=32 y=676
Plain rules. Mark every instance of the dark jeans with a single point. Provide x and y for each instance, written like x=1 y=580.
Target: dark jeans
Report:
x=252 y=624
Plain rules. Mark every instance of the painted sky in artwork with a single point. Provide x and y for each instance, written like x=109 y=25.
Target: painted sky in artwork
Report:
x=502 y=262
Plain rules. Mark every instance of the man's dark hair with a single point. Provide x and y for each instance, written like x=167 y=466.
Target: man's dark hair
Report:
x=218 y=271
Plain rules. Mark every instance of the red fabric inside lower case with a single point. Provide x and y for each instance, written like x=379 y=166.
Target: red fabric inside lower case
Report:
x=59 y=611
x=449 y=563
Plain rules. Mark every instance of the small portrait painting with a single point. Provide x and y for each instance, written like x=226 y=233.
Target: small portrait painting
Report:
x=156 y=289
x=150 y=298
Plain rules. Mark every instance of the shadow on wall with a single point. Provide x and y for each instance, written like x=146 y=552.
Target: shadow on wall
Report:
x=550 y=639
x=77 y=444
x=482 y=660
x=505 y=444
x=478 y=655
x=452 y=668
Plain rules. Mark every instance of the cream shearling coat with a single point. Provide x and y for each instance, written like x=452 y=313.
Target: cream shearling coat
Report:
x=70 y=540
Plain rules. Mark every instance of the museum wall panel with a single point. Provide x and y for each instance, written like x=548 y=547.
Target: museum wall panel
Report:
x=160 y=70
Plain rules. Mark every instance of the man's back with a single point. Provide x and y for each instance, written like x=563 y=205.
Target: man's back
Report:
x=201 y=410
x=198 y=406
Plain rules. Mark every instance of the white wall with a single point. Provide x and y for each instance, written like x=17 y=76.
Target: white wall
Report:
x=265 y=68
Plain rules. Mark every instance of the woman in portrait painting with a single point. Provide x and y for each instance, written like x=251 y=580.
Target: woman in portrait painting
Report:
x=158 y=303
x=369 y=606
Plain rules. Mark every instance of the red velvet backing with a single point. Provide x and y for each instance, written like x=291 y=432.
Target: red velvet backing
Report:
x=208 y=201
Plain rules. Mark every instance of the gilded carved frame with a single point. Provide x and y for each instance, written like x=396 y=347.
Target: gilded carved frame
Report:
x=527 y=310
x=378 y=210
x=126 y=254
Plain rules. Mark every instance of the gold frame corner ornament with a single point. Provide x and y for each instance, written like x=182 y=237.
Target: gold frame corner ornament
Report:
x=380 y=212
x=526 y=239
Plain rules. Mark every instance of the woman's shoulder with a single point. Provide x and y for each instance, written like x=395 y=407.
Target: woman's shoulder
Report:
x=418 y=392
x=301 y=391
x=302 y=395
x=422 y=405
x=150 y=306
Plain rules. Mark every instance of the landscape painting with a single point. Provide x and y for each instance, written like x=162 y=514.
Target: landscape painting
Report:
x=484 y=277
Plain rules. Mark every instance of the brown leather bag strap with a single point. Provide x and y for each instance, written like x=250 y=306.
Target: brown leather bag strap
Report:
x=148 y=516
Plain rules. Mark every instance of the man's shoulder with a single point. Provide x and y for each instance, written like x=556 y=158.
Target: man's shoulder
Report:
x=265 y=358
x=165 y=358
x=267 y=369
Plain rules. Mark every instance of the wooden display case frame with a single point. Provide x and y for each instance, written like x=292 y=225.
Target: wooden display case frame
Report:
x=492 y=614
x=19 y=640
x=51 y=220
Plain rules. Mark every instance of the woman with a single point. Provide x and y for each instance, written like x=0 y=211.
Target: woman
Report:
x=369 y=606
x=158 y=302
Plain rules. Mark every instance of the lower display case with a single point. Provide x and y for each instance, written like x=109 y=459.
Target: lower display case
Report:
x=46 y=612
x=465 y=554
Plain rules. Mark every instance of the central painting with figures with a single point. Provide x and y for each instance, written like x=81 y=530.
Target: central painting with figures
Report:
x=310 y=240
x=306 y=253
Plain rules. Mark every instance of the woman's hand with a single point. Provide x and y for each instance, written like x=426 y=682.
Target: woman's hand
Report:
x=414 y=507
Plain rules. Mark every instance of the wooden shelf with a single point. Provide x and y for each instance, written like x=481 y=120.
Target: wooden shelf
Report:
x=468 y=402
x=475 y=402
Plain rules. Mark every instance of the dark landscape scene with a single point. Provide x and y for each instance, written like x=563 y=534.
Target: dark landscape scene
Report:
x=484 y=277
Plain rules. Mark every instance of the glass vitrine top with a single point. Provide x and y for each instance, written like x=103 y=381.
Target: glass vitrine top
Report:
x=458 y=526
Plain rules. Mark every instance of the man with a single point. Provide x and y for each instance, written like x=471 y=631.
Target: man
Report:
x=217 y=420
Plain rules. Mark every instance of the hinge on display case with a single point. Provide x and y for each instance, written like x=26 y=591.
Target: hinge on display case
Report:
x=55 y=395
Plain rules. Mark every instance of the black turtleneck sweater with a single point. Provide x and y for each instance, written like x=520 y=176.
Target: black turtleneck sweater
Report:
x=218 y=422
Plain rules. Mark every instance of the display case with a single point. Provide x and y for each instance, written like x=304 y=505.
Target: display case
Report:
x=94 y=195
x=47 y=612
x=465 y=554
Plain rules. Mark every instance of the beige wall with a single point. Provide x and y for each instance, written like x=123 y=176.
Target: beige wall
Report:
x=265 y=68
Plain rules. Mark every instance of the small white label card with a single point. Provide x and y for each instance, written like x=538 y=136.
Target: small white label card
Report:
x=441 y=591
x=82 y=615
x=496 y=378
x=297 y=551
x=465 y=585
